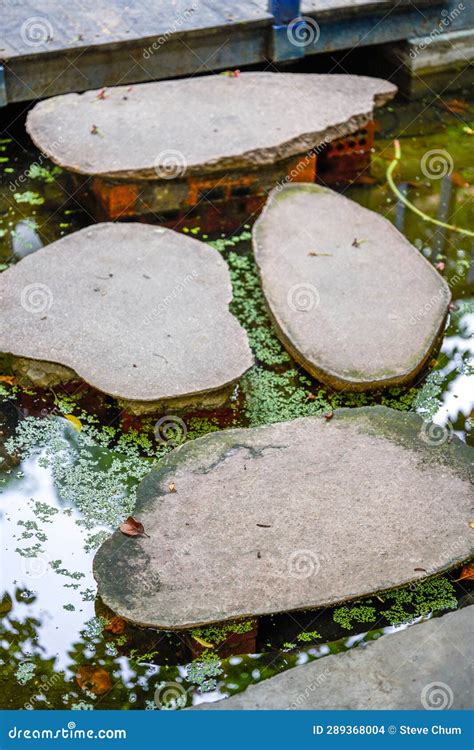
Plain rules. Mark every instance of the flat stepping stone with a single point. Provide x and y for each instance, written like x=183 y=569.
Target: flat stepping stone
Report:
x=202 y=124
x=354 y=303
x=427 y=666
x=138 y=312
x=290 y=516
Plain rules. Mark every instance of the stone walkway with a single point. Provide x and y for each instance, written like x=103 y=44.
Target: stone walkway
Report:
x=290 y=516
x=354 y=303
x=138 y=312
x=427 y=666
x=203 y=124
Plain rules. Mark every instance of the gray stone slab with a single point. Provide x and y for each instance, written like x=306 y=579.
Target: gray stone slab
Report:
x=427 y=666
x=202 y=124
x=290 y=516
x=355 y=304
x=137 y=311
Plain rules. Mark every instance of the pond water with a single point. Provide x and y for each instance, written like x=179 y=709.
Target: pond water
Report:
x=67 y=482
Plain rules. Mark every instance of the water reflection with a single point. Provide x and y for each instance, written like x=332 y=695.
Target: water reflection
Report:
x=56 y=652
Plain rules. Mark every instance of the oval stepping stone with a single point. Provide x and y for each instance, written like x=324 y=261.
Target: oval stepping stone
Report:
x=427 y=666
x=354 y=303
x=228 y=122
x=290 y=516
x=138 y=312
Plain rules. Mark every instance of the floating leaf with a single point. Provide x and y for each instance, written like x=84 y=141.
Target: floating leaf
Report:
x=76 y=423
x=202 y=642
x=467 y=573
x=116 y=626
x=95 y=679
x=10 y=379
x=131 y=527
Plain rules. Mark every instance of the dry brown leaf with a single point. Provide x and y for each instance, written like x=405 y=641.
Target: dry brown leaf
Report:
x=132 y=527
x=172 y=487
x=116 y=626
x=95 y=679
x=467 y=573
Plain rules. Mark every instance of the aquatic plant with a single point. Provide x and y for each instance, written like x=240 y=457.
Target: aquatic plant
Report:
x=308 y=636
x=346 y=616
x=419 y=600
x=203 y=673
x=403 y=199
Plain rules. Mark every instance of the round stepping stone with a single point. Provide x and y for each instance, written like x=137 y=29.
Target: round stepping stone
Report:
x=202 y=124
x=138 y=312
x=290 y=516
x=427 y=666
x=354 y=303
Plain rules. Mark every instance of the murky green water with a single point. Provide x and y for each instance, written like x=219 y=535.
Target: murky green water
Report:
x=63 y=490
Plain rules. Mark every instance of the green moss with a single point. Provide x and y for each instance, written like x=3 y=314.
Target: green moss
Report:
x=346 y=616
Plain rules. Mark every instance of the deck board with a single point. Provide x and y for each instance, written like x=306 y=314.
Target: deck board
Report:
x=105 y=22
x=49 y=47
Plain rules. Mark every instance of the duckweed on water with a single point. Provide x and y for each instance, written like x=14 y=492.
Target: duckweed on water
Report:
x=100 y=483
x=419 y=600
x=216 y=634
x=346 y=616
x=406 y=604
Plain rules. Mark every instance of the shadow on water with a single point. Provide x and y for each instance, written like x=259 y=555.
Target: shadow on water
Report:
x=64 y=490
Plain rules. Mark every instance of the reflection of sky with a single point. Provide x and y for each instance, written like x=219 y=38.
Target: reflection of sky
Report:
x=59 y=627
x=458 y=396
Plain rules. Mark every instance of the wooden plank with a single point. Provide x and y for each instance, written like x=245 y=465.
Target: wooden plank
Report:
x=50 y=48
x=103 y=66
x=38 y=27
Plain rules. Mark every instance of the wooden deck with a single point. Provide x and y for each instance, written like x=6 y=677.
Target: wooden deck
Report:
x=50 y=47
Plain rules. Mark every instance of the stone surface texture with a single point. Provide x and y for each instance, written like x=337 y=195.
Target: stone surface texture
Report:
x=290 y=516
x=355 y=304
x=427 y=666
x=139 y=312
x=202 y=124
